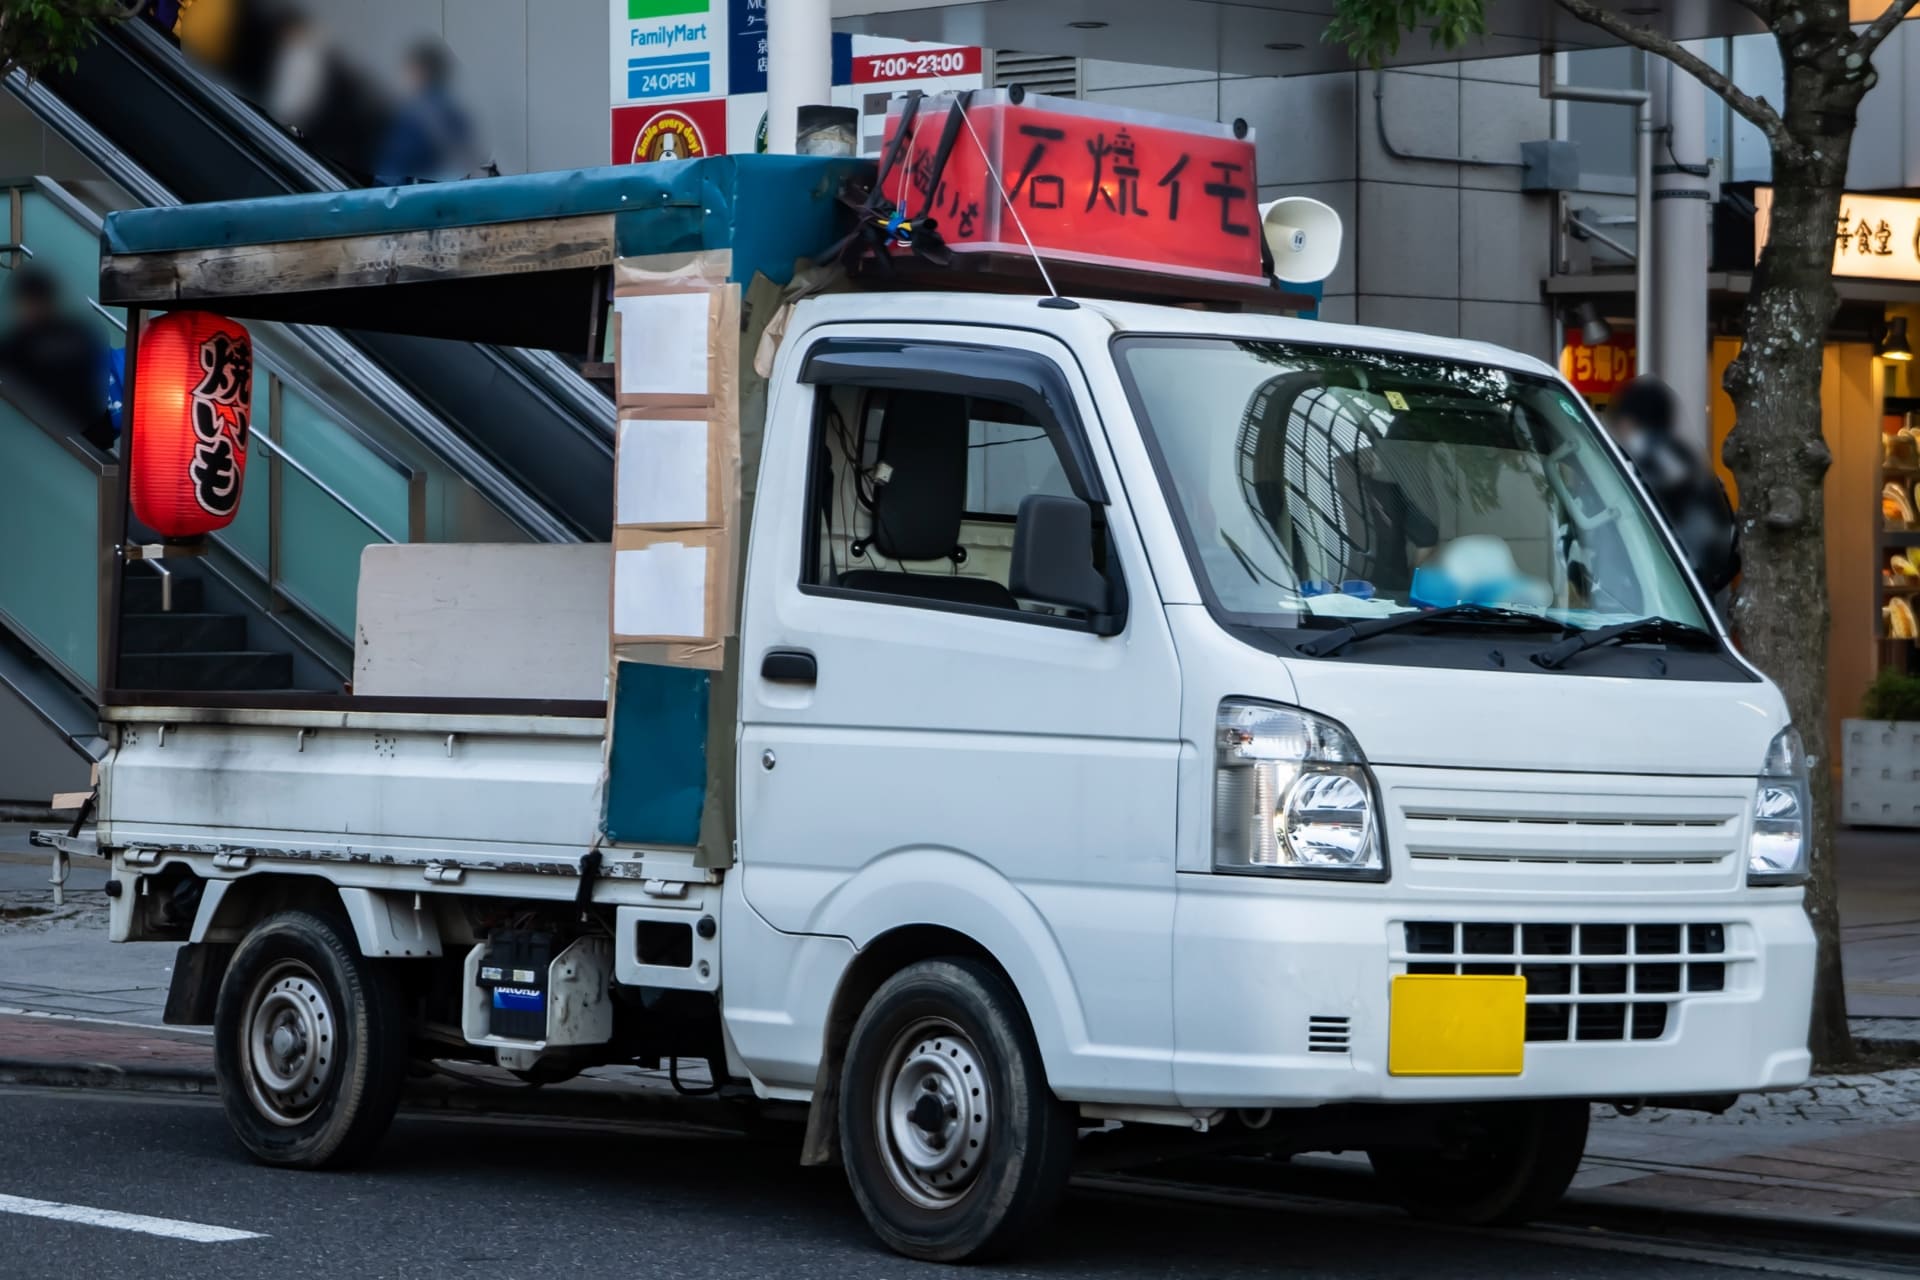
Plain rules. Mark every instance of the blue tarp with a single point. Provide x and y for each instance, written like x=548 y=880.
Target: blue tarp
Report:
x=769 y=210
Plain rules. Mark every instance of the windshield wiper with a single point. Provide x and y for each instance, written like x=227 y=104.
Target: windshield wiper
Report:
x=1334 y=641
x=1637 y=631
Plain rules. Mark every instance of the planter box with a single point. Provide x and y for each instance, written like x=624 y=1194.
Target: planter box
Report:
x=1880 y=785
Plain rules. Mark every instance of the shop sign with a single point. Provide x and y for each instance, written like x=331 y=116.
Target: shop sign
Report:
x=924 y=63
x=1876 y=237
x=684 y=131
x=1599 y=372
x=1117 y=187
x=668 y=50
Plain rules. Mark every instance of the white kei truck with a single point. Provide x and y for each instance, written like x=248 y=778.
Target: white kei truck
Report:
x=1063 y=712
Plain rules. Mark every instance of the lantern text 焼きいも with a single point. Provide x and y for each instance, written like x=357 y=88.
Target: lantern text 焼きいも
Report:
x=192 y=404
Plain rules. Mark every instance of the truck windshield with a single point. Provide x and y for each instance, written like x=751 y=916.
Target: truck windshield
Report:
x=1317 y=485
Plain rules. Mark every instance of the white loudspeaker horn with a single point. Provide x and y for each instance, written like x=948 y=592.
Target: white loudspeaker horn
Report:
x=1304 y=236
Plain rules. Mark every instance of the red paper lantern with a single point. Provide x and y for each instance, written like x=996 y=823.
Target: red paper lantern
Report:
x=192 y=403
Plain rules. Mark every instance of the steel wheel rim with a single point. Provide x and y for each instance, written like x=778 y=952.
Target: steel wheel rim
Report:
x=288 y=1043
x=932 y=1113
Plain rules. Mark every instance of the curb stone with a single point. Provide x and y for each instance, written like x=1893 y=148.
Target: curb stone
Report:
x=553 y=1102
x=1636 y=1213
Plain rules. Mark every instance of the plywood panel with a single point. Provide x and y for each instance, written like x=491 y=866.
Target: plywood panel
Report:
x=462 y=620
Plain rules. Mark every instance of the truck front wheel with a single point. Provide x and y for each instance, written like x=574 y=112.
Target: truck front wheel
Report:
x=954 y=1145
x=1496 y=1164
x=310 y=1044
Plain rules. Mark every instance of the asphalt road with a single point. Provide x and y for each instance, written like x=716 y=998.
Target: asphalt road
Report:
x=465 y=1196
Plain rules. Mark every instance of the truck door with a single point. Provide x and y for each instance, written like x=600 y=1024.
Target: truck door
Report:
x=919 y=745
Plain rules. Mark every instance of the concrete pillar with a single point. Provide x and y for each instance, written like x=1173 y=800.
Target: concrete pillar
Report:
x=799 y=66
x=1682 y=232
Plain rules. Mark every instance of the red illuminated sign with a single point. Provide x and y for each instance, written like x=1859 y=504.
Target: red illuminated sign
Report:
x=192 y=407
x=1126 y=189
x=1599 y=371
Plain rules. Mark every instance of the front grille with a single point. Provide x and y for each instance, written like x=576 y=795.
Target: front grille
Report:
x=1623 y=832
x=1584 y=981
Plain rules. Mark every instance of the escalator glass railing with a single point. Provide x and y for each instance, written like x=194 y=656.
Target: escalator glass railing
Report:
x=70 y=251
x=339 y=500
x=53 y=490
x=318 y=491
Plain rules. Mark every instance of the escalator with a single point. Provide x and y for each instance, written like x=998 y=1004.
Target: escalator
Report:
x=344 y=460
x=530 y=413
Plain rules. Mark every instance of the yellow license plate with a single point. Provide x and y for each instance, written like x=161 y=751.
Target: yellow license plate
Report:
x=1457 y=1025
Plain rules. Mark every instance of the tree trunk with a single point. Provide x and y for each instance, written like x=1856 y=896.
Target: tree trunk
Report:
x=1779 y=458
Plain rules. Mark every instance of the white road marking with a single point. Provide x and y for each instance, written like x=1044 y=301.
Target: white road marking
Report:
x=171 y=1228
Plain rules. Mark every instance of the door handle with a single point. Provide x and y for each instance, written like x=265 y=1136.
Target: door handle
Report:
x=789 y=666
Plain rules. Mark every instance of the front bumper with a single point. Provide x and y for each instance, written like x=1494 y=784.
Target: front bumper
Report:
x=1281 y=996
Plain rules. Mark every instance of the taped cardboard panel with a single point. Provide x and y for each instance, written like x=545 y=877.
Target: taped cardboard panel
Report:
x=703 y=269
x=671 y=473
x=665 y=348
x=669 y=586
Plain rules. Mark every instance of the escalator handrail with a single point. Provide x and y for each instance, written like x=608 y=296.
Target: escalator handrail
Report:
x=325 y=345
x=582 y=403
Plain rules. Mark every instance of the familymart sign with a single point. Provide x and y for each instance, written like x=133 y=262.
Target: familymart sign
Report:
x=666 y=49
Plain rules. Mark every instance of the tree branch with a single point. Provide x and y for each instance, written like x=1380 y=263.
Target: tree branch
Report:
x=1881 y=27
x=1756 y=110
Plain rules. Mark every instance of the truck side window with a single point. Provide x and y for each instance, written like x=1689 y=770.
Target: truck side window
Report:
x=917 y=494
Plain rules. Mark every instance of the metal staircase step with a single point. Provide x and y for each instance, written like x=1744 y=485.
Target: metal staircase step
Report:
x=224 y=670
x=182 y=632
x=142 y=594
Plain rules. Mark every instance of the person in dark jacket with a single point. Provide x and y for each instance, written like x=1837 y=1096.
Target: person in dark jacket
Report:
x=1644 y=419
x=56 y=357
x=431 y=137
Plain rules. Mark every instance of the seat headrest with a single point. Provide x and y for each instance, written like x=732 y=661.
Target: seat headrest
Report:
x=917 y=512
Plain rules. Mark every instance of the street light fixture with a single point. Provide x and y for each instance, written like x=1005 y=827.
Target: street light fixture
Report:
x=1593 y=326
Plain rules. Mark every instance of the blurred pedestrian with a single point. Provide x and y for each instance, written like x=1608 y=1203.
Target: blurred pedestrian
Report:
x=57 y=357
x=1644 y=419
x=431 y=137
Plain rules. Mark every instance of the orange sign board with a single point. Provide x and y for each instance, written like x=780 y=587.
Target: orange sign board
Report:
x=1601 y=370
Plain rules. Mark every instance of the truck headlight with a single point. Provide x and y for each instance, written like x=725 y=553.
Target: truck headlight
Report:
x=1292 y=796
x=1777 y=848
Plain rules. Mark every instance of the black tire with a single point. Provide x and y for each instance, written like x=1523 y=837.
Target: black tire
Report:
x=1499 y=1164
x=930 y=1032
x=297 y=983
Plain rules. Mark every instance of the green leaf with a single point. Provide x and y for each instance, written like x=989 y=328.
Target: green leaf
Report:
x=47 y=35
x=1371 y=30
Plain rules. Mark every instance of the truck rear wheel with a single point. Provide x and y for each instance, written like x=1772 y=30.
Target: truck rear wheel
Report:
x=954 y=1145
x=1497 y=1164
x=310 y=1044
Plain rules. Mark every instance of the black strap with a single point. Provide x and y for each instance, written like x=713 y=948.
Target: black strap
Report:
x=949 y=134
x=898 y=145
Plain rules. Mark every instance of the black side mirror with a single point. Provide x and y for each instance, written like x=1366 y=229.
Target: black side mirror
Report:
x=1053 y=559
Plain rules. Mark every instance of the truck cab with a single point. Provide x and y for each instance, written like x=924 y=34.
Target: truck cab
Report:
x=1128 y=716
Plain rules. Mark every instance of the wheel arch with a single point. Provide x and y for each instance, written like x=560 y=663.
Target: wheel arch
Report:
x=872 y=965
x=228 y=909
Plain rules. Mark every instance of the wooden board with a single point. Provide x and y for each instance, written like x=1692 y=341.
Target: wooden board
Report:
x=411 y=257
